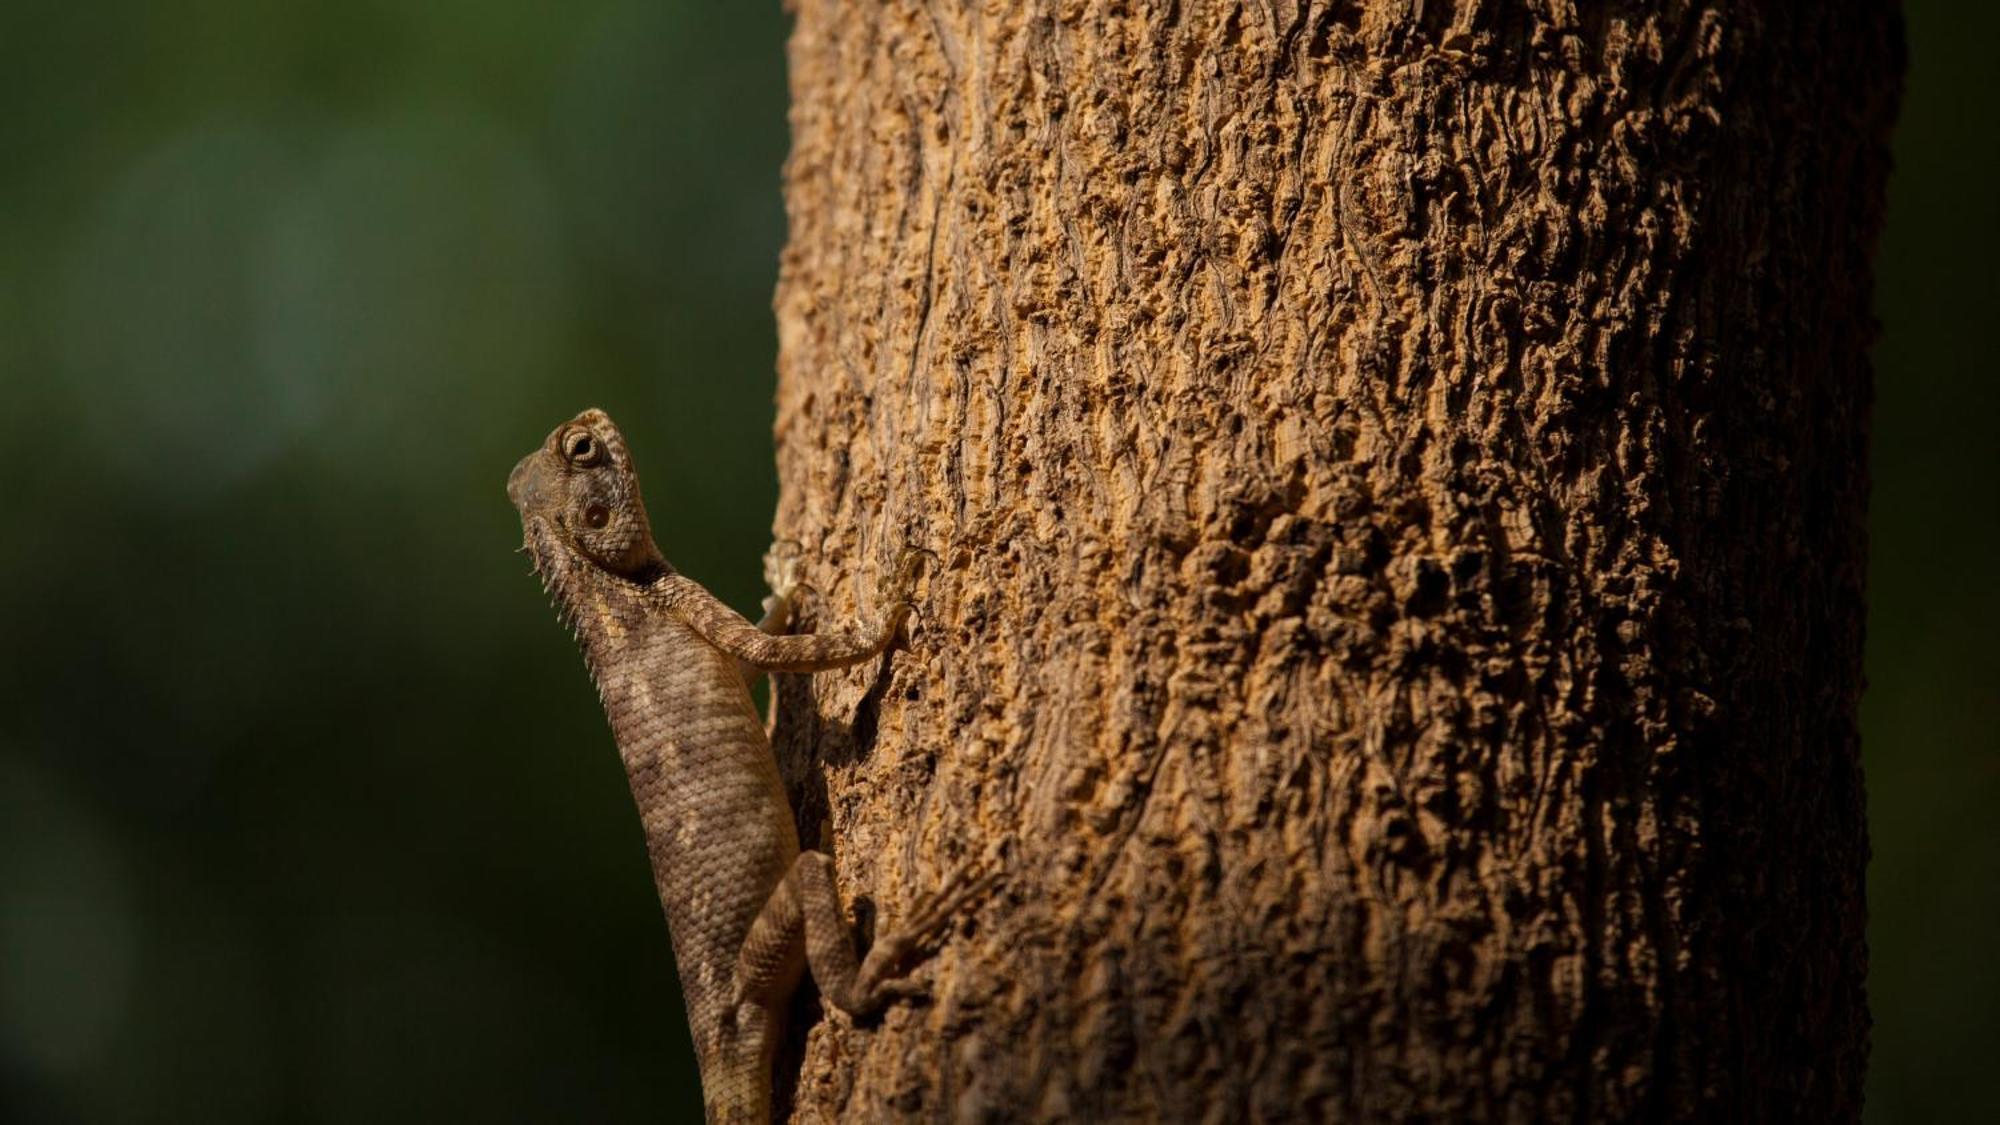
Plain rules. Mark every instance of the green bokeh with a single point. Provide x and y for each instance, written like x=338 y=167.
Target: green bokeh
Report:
x=307 y=810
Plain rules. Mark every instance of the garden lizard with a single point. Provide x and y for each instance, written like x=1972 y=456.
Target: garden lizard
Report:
x=746 y=909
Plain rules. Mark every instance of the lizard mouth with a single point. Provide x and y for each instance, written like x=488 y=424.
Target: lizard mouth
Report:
x=543 y=538
x=540 y=538
x=521 y=488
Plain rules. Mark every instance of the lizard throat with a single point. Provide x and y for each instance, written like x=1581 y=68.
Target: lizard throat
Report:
x=606 y=613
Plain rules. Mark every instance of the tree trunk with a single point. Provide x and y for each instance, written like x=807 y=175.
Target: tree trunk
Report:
x=1396 y=471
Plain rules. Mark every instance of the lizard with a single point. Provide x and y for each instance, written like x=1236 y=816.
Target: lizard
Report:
x=747 y=910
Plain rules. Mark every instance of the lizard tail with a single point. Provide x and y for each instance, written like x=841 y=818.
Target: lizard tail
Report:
x=736 y=1068
x=737 y=1092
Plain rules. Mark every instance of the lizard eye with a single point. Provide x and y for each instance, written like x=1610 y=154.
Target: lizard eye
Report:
x=597 y=515
x=581 y=449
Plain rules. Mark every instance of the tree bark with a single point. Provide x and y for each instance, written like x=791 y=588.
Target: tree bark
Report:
x=1397 y=476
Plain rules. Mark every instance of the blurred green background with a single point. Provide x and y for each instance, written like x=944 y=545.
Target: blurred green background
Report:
x=307 y=810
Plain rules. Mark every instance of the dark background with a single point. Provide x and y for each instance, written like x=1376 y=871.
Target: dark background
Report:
x=307 y=810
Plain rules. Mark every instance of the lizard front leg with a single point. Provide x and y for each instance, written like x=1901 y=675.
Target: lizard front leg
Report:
x=806 y=906
x=781 y=577
x=811 y=652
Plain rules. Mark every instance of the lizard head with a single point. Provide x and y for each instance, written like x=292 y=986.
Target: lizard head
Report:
x=580 y=508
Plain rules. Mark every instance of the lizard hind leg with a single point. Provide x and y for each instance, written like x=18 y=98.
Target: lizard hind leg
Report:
x=807 y=905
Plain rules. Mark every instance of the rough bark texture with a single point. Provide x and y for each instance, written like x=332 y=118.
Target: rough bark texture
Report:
x=1397 y=472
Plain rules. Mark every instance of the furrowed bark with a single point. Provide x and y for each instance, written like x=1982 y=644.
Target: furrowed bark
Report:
x=1397 y=472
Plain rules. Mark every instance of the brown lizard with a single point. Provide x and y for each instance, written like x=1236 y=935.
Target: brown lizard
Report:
x=745 y=907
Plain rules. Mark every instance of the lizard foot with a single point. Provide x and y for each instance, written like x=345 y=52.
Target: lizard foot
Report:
x=909 y=568
x=881 y=977
x=783 y=564
x=901 y=589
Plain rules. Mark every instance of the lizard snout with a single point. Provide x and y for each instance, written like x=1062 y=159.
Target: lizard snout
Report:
x=522 y=485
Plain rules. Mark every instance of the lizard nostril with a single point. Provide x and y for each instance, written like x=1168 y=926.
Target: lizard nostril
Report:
x=597 y=515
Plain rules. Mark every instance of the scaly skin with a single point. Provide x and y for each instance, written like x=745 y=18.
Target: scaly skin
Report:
x=746 y=909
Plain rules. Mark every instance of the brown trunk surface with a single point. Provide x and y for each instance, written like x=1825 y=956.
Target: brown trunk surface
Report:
x=1397 y=472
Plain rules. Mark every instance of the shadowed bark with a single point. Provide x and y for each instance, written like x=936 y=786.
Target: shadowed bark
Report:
x=1397 y=477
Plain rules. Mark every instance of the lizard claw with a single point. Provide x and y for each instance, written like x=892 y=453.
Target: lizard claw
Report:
x=933 y=917
x=898 y=989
